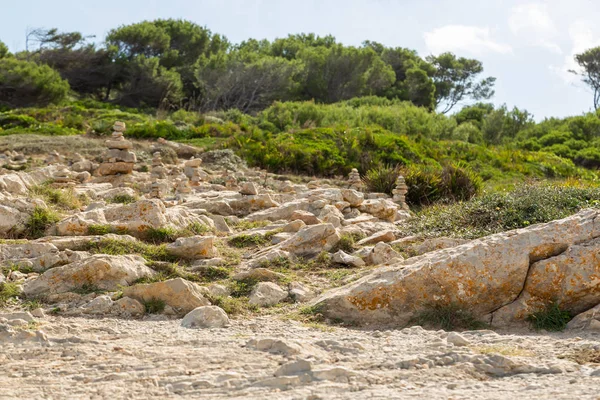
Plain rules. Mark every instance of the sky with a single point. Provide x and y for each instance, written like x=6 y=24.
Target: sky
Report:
x=527 y=45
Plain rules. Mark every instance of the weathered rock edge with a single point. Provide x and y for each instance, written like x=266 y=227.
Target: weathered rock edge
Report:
x=481 y=276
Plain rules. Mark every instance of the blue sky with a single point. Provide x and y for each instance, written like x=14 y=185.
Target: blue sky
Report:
x=527 y=45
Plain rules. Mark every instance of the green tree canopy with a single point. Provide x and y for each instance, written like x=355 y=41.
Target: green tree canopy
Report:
x=25 y=83
x=455 y=80
x=589 y=61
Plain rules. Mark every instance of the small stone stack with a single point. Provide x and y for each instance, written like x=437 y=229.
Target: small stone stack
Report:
x=400 y=191
x=191 y=165
x=354 y=181
x=229 y=179
x=54 y=158
x=158 y=168
x=182 y=190
x=119 y=159
x=62 y=178
x=155 y=190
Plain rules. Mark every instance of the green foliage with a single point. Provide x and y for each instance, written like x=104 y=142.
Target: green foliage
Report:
x=122 y=199
x=552 y=318
x=63 y=198
x=115 y=247
x=3 y=50
x=346 y=243
x=97 y=229
x=24 y=83
x=242 y=288
x=495 y=212
x=455 y=79
x=8 y=290
x=449 y=317
x=449 y=184
x=381 y=179
x=248 y=240
x=39 y=221
x=589 y=61
x=154 y=306
x=233 y=305
x=160 y=235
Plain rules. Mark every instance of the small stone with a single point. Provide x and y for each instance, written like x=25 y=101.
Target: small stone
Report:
x=346 y=259
x=294 y=368
x=206 y=317
x=266 y=294
x=249 y=188
x=457 y=339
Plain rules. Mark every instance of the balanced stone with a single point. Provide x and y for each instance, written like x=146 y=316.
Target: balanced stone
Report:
x=400 y=191
x=118 y=159
x=354 y=181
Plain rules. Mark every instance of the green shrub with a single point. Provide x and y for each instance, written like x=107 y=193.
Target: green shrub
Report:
x=381 y=179
x=122 y=199
x=449 y=317
x=427 y=185
x=63 y=198
x=552 y=318
x=25 y=83
x=160 y=235
x=154 y=306
x=8 y=290
x=98 y=229
x=9 y=120
x=495 y=212
x=248 y=240
x=39 y=221
x=233 y=305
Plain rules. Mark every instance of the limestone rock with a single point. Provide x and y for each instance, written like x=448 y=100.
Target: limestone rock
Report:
x=353 y=197
x=266 y=294
x=205 y=317
x=384 y=209
x=312 y=240
x=99 y=271
x=307 y=217
x=383 y=236
x=570 y=279
x=346 y=259
x=481 y=276
x=383 y=253
x=193 y=247
x=300 y=293
x=182 y=295
x=249 y=188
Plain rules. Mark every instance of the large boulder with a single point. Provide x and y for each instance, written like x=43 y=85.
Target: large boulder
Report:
x=312 y=240
x=100 y=271
x=205 y=317
x=183 y=296
x=193 y=247
x=571 y=279
x=11 y=219
x=481 y=276
x=266 y=294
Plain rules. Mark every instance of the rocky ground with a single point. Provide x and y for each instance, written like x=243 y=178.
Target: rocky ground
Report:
x=155 y=270
x=266 y=357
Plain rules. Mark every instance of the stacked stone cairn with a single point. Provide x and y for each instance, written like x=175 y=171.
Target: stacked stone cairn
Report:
x=62 y=178
x=191 y=169
x=354 y=181
x=182 y=189
x=158 y=168
x=54 y=158
x=118 y=159
x=399 y=192
x=155 y=189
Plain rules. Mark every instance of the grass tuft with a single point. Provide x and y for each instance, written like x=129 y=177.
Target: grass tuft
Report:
x=154 y=306
x=449 y=317
x=552 y=318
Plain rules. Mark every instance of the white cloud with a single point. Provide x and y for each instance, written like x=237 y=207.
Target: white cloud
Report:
x=532 y=22
x=463 y=38
x=582 y=37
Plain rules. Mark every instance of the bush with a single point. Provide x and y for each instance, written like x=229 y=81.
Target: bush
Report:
x=449 y=317
x=24 y=83
x=490 y=213
x=40 y=220
x=427 y=185
x=382 y=179
x=552 y=318
x=122 y=199
x=154 y=306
